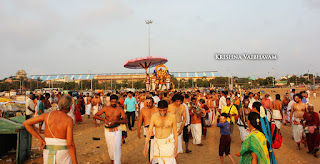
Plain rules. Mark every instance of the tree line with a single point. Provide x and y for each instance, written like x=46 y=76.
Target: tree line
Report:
x=140 y=84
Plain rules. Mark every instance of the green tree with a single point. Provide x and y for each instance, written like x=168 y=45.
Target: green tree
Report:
x=140 y=84
x=124 y=83
x=219 y=81
x=174 y=80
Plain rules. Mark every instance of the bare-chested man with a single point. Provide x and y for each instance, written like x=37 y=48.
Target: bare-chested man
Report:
x=277 y=111
x=296 y=117
x=145 y=117
x=179 y=110
x=113 y=133
x=212 y=106
x=88 y=105
x=243 y=118
x=165 y=137
x=58 y=145
x=201 y=96
x=96 y=101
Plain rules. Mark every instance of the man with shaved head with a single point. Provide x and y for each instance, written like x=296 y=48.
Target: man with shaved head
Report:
x=296 y=117
x=145 y=117
x=165 y=138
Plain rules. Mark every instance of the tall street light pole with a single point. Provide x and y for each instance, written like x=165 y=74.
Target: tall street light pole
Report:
x=148 y=22
x=273 y=77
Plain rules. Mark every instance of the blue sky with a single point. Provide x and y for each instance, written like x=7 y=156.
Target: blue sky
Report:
x=80 y=36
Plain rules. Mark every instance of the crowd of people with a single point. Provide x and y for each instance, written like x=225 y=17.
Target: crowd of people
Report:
x=170 y=118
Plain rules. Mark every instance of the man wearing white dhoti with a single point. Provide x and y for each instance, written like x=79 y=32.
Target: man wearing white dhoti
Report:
x=196 y=129
x=223 y=100
x=179 y=110
x=289 y=110
x=102 y=101
x=153 y=82
x=87 y=101
x=242 y=121
x=114 y=116
x=168 y=81
x=148 y=83
x=296 y=116
x=145 y=117
x=59 y=147
x=165 y=149
x=276 y=111
x=186 y=128
x=71 y=113
x=96 y=101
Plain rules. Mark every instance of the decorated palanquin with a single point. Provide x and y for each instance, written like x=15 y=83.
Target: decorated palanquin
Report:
x=160 y=79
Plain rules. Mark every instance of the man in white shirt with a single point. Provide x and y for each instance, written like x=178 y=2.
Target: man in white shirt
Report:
x=254 y=99
x=155 y=98
x=307 y=95
x=187 y=124
x=30 y=106
x=289 y=110
x=223 y=100
x=251 y=99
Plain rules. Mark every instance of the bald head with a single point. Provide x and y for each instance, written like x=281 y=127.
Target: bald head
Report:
x=65 y=103
x=310 y=108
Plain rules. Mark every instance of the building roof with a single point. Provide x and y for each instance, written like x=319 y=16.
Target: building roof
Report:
x=91 y=76
x=70 y=76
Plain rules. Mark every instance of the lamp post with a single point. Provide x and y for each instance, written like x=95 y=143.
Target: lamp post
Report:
x=273 y=77
x=148 y=22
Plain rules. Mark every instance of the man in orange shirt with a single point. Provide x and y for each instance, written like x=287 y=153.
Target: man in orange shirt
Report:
x=196 y=128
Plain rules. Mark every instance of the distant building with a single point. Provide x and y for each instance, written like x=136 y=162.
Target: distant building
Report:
x=119 y=77
x=21 y=74
x=281 y=83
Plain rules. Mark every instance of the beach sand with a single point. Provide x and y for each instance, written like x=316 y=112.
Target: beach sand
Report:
x=92 y=151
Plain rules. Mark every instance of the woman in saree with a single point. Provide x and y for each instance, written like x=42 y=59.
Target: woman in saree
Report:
x=254 y=148
x=265 y=116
